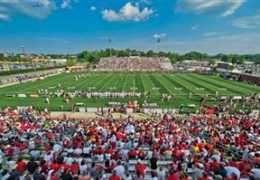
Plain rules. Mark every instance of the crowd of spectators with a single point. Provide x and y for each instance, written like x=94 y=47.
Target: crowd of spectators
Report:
x=18 y=78
x=250 y=68
x=169 y=146
x=133 y=64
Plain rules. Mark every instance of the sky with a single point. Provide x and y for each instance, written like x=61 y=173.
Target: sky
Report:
x=70 y=26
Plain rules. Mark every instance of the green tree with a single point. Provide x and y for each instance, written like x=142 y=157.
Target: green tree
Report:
x=2 y=57
x=225 y=58
x=212 y=62
x=150 y=53
x=241 y=61
x=71 y=62
x=234 y=59
x=195 y=56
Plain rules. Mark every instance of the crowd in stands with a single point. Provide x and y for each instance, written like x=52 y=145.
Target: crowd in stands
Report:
x=249 y=68
x=18 y=78
x=133 y=64
x=169 y=146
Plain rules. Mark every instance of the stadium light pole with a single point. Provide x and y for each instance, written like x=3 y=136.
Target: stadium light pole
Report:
x=158 y=39
x=109 y=40
x=27 y=56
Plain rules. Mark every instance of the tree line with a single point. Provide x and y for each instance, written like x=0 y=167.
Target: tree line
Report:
x=12 y=58
x=94 y=56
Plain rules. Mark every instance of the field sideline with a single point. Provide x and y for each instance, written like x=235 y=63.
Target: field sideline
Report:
x=180 y=86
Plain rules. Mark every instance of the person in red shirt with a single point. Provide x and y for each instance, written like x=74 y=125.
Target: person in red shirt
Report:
x=114 y=176
x=173 y=175
x=141 y=154
x=55 y=166
x=140 y=168
x=9 y=151
x=2 y=125
x=204 y=177
x=132 y=154
x=53 y=176
x=21 y=166
x=214 y=165
x=74 y=168
x=43 y=166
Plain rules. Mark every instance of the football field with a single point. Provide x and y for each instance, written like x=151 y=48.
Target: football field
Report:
x=184 y=88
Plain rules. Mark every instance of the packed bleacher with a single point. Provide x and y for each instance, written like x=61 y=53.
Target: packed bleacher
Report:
x=134 y=63
x=18 y=78
x=169 y=146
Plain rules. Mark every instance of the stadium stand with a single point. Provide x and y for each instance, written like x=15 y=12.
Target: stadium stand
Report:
x=201 y=147
x=18 y=78
x=134 y=63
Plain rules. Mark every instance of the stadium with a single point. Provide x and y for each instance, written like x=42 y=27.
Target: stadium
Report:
x=149 y=82
x=142 y=108
x=129 y=90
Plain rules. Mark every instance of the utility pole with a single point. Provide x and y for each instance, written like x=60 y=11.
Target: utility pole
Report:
x=109 y=40
x=23 y=52
x=158 y=39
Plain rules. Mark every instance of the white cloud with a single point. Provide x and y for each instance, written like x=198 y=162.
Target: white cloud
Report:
x=248 y=22
x=4 y=16
x=241 y=43
x=34 y=8
x=159 y=36
x=194 y=27
x=93 y=8
x=228 y=7
x=211 y=34
x=146 y=1
x=65 y=4
x=4 y=13
x=233 y=6
x=129 y=12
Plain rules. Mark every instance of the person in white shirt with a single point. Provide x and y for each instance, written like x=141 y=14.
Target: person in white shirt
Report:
x=83 y=166
x=78 y=151
x=86 y=150
x=57 y=148
x=161 y=174
x=120 y=170
x=48 y=157
x=232 y=171
x=154 y=176
x=69 y=160
x=255 y=173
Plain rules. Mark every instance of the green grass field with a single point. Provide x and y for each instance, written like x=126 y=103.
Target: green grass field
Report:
x=177 y=85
